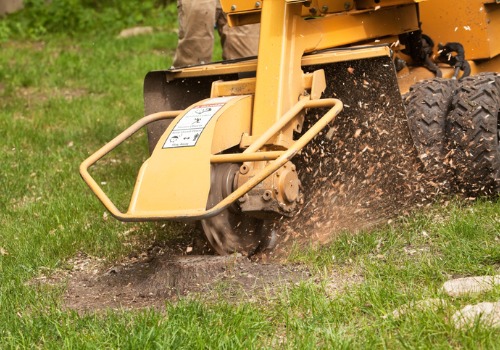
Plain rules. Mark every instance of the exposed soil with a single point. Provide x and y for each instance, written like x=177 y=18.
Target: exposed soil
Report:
x=152 y=281
x=159 y=277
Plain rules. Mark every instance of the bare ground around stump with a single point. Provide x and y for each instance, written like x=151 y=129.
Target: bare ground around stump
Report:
x=157 y=278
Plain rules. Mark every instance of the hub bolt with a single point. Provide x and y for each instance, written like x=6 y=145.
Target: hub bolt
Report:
x=268 y=195
x=244 y=169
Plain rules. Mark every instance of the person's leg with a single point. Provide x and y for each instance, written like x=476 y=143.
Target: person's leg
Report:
x=196 y=32
x=237 y=42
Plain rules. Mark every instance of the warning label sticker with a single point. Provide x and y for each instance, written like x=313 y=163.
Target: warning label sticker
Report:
x=188 y=130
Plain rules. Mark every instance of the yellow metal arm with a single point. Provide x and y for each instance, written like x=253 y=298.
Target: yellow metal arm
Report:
x=127 y=133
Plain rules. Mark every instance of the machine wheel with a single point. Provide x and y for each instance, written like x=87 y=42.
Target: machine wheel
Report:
x=232 y=231
x=474 y=135
x=427 y=105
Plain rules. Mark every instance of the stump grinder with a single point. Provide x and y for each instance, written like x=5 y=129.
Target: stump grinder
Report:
x=223 y=136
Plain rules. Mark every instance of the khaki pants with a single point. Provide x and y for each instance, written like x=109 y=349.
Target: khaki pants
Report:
x=197 y=19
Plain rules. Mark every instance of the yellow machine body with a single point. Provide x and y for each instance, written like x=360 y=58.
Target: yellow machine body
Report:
x=250 y=111
x=473 y=23
x=259 y=115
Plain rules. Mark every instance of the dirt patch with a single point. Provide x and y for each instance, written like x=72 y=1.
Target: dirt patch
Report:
x=182 y=268
x=153 y=279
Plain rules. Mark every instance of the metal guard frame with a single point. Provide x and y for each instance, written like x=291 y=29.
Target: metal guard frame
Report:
x=279 y=158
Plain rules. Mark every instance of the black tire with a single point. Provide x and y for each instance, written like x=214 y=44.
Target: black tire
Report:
x=473 y=135
x=427 y=105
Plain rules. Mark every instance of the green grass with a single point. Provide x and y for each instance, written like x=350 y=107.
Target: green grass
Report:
x=62 y=98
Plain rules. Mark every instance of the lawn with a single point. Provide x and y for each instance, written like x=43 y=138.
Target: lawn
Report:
x=64 y=96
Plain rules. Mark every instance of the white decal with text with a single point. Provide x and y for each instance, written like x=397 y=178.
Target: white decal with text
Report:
x=188 y=130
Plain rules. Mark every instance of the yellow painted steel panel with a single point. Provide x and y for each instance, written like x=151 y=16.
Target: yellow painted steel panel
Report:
x=177 y=175
x=357 y=26
x=473 y=23
x=324 y=6
x=365 y=4
x=251 y=65
x=240 y=5
x=314 y=7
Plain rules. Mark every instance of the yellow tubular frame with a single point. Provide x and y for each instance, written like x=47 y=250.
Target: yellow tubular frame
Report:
x=251 y=154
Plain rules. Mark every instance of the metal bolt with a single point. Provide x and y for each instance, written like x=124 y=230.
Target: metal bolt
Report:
x=243 y=198
x=244 y=169
x=313 y=10
x=267 y=195
x=347 y=5
x=324 y=9
x=257 y=4
x=233 y=7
